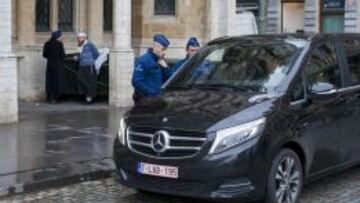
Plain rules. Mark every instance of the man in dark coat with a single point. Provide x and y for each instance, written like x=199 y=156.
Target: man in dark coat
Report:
x=151 y=70
x=55 y=54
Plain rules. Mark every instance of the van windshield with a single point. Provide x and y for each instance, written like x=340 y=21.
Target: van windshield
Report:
x=258 y=67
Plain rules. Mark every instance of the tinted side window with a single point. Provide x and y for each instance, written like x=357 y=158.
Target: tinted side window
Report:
x=352 y=51
x=323 y=66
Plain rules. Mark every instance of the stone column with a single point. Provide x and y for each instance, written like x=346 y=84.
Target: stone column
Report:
x=121 y=56
x=8 y=68
x=219 y=18
x=26 y=22
x=351 y=16
x=262 y=16
x=273 y=24
x=54 y=15
x=212 y=19
x=312 y=15
x=95 y=21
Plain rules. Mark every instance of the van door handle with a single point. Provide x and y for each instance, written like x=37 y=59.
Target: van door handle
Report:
x=352 y=98
x=344 y=99
x=349 y=99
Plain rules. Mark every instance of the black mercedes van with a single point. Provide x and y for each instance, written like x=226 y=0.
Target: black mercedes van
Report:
x=248 y=118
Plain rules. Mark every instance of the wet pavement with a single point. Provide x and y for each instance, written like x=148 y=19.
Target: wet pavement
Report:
x=69 y=146
x=342 y=187
x=55 y=144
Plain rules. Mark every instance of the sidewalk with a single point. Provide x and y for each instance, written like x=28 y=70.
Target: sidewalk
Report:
x=57 y=145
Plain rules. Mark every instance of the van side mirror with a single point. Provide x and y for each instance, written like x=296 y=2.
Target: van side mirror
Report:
x=322 y=88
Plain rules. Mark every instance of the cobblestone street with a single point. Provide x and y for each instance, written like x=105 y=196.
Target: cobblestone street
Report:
x=340 y=188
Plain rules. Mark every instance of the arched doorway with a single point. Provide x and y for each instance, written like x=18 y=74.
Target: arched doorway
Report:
x=292 y=15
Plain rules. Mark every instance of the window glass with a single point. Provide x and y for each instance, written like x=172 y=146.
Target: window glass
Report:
x=164 y=7
x=333 y=16
x=66 y=15
x=108 y=6
x=298 y=92
x=323 y=67
x=248 y=65
x=42 y=15
x=352 y=51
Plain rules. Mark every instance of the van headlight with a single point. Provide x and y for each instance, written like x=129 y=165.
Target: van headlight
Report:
x=230 y=137
x=122 y=132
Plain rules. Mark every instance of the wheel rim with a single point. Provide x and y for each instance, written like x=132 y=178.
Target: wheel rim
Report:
x=287 y=181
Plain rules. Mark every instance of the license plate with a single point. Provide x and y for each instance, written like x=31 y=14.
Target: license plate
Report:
x=158 y=170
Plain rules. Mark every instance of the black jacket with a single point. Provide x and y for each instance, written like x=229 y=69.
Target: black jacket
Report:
x=55 y=74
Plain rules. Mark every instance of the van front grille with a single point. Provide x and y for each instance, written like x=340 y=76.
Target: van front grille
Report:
x=173 y=144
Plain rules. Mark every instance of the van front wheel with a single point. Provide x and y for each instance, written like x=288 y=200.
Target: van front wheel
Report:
x=285 y=179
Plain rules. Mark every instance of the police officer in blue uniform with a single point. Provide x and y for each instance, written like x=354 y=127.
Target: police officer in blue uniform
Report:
x=151 y=70
x=192 y=47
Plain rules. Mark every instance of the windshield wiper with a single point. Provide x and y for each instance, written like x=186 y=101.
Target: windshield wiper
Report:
x=220 y=87
x=215 y=86
x=185 y=87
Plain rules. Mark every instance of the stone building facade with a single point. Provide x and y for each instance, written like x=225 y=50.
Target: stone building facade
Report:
x=327 y=16
x=125 y=26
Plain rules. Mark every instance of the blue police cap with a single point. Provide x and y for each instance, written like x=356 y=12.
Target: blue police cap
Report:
x=193 y=42
x=161 y=39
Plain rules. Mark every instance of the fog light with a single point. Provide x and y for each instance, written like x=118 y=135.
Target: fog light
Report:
x=238 y=186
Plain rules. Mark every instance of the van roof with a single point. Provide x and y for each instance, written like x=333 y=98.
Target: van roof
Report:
x=280 y=37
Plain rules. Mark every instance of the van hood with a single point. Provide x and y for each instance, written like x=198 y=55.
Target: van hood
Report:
x=199 y=110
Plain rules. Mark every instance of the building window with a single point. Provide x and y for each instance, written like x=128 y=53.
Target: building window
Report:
x=42 y=15
x=165 y=7
x=332 y=16
x=248 y=5
x=333 y=4
x=108 y=18
x=66 y=15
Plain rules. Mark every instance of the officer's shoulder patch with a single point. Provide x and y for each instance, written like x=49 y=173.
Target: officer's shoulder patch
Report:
x=139 y=67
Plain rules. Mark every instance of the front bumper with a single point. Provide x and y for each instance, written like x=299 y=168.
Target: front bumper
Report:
x=235 y=174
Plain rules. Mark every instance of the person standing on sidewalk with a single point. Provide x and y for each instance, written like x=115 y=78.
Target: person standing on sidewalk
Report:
x=151 y=70
x=87 y=72
x=54 y=52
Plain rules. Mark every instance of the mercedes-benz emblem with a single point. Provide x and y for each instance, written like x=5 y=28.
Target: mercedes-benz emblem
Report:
x=160 y=141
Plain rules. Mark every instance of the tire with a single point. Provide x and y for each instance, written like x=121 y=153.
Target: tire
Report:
x=140 y=191
x=282 y=186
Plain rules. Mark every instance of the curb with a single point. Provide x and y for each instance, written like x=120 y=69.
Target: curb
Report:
x=90 y=171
